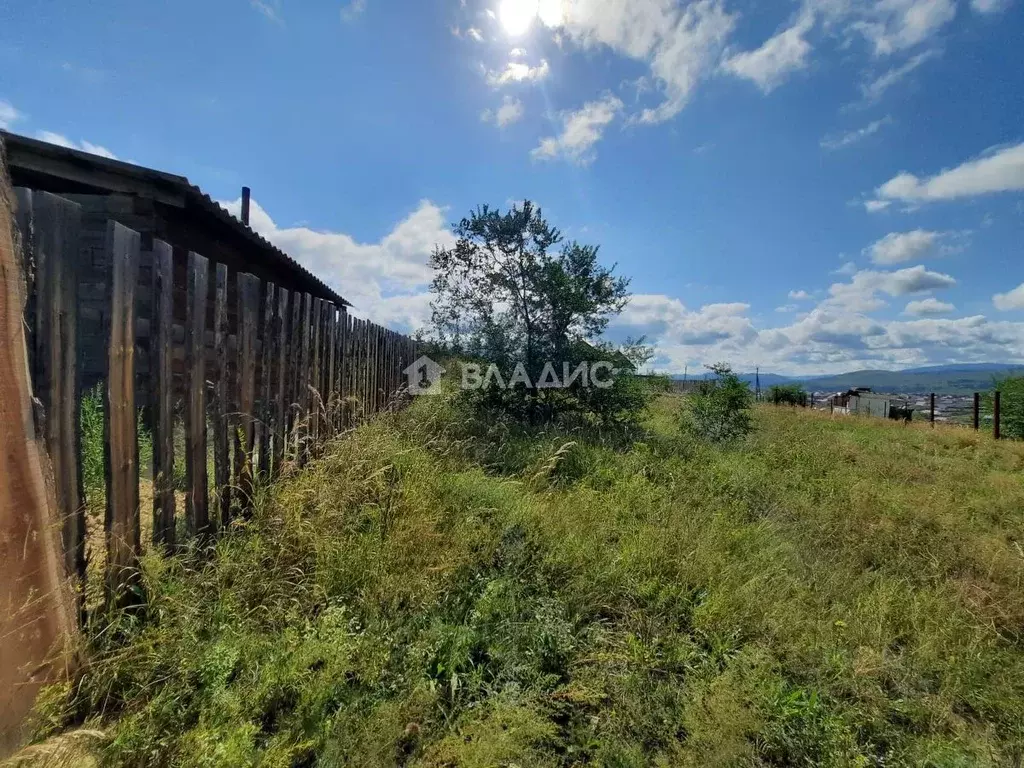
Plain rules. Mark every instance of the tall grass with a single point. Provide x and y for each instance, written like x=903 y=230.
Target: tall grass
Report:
x=91 y=445
x=436 y=592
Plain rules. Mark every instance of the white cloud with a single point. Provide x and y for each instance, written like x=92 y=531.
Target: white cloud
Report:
x=799 y=295
x=844 y=140
x=510 y=111
x=780 y=55
x=999 y=170
x=928 y=308
x=900 y=247
x=876 y=88
x=269 y=8
x=989 y=6
x=353 y=10
x=835 y=335
x=681 y=45
x=8 y=115
x=895 y=25
x=874 y=206
x=1011 y=300
x=861 y=293
x=581 y=130
x=475 y=34
x=63 y=141
x=385 y=280
x=517 y=72
x=669 y=320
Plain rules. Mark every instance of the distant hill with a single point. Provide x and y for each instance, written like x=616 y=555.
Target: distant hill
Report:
x=965 y=368
x=942 y=379
x=947 y=381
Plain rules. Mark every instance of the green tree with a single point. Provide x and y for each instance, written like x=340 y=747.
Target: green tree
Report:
x=512 y=290
x=1011 y=405
x=786 y=394
x=719 y=410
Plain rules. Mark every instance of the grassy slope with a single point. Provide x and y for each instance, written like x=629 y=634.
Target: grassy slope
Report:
x=829 y=592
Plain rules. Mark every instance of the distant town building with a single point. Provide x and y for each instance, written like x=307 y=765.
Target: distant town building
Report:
x=861 y=401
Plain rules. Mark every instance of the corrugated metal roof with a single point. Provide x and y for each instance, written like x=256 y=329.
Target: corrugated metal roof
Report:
x=166 y=187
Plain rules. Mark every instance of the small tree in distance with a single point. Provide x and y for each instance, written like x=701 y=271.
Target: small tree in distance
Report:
x=719 y=411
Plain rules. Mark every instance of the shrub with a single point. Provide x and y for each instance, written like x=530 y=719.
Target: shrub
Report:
x=1011 y=405
x=787 y=394
x=720 y=408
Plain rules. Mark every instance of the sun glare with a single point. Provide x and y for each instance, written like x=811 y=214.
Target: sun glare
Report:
x=517 y=15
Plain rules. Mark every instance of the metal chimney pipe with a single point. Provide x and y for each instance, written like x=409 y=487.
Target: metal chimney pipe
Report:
x=246 y=194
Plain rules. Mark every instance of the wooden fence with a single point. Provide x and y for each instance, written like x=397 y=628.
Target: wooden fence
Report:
x=259 y=377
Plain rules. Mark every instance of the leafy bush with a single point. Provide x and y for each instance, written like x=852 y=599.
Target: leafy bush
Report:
x=787 y=394
x=720 y=408
x=1011 y=405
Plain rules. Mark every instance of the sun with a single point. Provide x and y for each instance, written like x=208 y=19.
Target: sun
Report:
x=517 y=15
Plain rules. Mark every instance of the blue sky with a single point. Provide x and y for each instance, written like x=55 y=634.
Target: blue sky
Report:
x=807 y=186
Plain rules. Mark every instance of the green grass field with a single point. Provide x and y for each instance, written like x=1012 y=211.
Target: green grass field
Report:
x=434 y=592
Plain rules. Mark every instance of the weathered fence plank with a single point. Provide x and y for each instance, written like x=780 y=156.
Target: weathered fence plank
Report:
x=304 y=380
x=37 y=616
x=120 y=419
x=266 y=378
x=332 y=358
x=248 y=319
x=162 y=398
x=295 y=373
x=56 y=222
x=280 y=354
x=316 y=391
x=342 y=359
x=221 y=406
x=196 y=498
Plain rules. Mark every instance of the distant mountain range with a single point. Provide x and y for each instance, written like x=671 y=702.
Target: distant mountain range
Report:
x=942 y=379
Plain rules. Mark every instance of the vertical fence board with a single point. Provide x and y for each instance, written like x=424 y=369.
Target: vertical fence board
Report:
x=56 y=224
x=122 y=445
x=295 y=371
x=266 y=378
x=25 y=222
x=197 y=500
x=342 y=341
x=248 y=319
x=378 y=358
x=303 y=377
x=221 y=405
x=280 y=353
x=162 y=398
x=332 y=360
x=315 y=392
x=368 y=369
